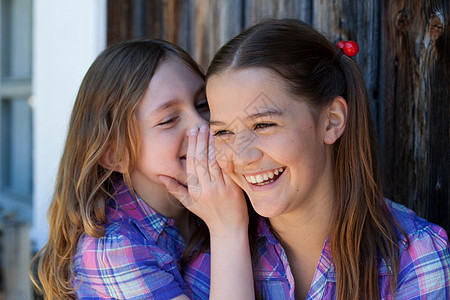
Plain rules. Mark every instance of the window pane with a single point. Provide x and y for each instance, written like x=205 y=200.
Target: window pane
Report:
x=16 y=39
x=16 y=146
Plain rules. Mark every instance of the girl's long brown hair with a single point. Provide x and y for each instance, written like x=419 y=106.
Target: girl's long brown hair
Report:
x=102 y=121
x=311 y=67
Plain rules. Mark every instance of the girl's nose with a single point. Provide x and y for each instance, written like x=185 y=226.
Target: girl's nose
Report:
x=245 y=151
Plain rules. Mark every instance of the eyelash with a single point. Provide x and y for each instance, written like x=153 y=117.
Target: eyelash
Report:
x=262 y=126
x=221 y=132
x=199 y=107
x=171 y=120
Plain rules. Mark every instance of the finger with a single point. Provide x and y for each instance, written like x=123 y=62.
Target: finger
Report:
x=201 y=155
x=228 y=170
x=214 y=169
x=177 y=190
x=192 y=179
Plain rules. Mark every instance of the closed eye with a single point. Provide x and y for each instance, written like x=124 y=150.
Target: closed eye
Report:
x=259 y=126
x=168 y=121
x=263 y=126
x=222 y=133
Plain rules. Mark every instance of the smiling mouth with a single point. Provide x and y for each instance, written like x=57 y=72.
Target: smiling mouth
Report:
x=265 y=178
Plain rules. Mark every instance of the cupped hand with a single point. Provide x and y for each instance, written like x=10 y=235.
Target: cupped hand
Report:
x=211 y=194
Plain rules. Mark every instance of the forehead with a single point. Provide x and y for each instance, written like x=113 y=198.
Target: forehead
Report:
x=246 y=91
x=172 y=76
x=172 y=81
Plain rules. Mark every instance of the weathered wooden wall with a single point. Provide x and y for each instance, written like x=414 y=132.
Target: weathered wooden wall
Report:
x=416 y=91
x=405 y=56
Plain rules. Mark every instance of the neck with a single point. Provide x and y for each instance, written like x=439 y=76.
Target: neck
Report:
x=303 y=234
x=305 y=229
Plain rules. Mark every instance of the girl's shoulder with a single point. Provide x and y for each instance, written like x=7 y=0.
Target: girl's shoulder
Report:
x=424 y=269
x=123 y=258
x=120 y=238
x=123 y=245
x=128 y=234
x=417 y=229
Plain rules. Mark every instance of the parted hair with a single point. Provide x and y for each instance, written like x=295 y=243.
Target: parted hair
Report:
x=103 y=122
x=311 y=66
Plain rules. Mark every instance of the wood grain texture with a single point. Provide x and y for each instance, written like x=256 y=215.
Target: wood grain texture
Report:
x=120 y=18
x=257 y=10
x=215 y=22
x=416 y=105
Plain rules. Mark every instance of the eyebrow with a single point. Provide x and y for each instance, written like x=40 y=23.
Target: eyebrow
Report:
x=267 y=113
x=261 y=114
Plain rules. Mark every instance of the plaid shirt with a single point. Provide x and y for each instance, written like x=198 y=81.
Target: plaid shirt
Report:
x=137 y=258
x=424 y=267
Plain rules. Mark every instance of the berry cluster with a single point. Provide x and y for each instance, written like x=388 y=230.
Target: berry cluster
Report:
x=350 y=48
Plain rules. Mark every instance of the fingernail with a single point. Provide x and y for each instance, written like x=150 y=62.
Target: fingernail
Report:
x=203 y=129
x=193 y=131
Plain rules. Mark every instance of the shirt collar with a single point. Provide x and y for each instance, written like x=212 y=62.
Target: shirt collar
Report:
x=138 y=210
x=263 y=231
x=326 y=264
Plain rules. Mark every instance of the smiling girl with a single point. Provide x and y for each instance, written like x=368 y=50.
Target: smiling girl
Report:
x=292 y=125
x=115 y=231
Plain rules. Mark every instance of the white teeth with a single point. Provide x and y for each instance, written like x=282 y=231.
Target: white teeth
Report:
x=265 y=183
x=262 y=179
x=259 y=179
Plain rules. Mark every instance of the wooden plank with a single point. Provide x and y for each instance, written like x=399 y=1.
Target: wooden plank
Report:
x=438 y=93
x=185 y=36
x=416 y=106
x=256 y=10
x=153 y=18
x=171 y=26
x=120 y=21
x=213 y=24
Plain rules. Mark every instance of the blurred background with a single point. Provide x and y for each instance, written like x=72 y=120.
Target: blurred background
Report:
x=46 y=47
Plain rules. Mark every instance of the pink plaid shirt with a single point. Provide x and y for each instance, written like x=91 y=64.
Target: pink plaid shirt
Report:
x=137 y=258
x=424 y=266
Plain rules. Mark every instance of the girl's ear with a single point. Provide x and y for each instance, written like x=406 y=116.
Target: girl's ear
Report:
x=108 y=161
x=336 y=119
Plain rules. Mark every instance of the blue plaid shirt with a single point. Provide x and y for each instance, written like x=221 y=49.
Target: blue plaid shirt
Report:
x=137 y=258
x=424 y=266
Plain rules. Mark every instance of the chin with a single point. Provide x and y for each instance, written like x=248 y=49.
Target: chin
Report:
x=266 y=210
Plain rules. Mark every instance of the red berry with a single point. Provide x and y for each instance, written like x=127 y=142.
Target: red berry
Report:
x=351 y=48
x=340 y=45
